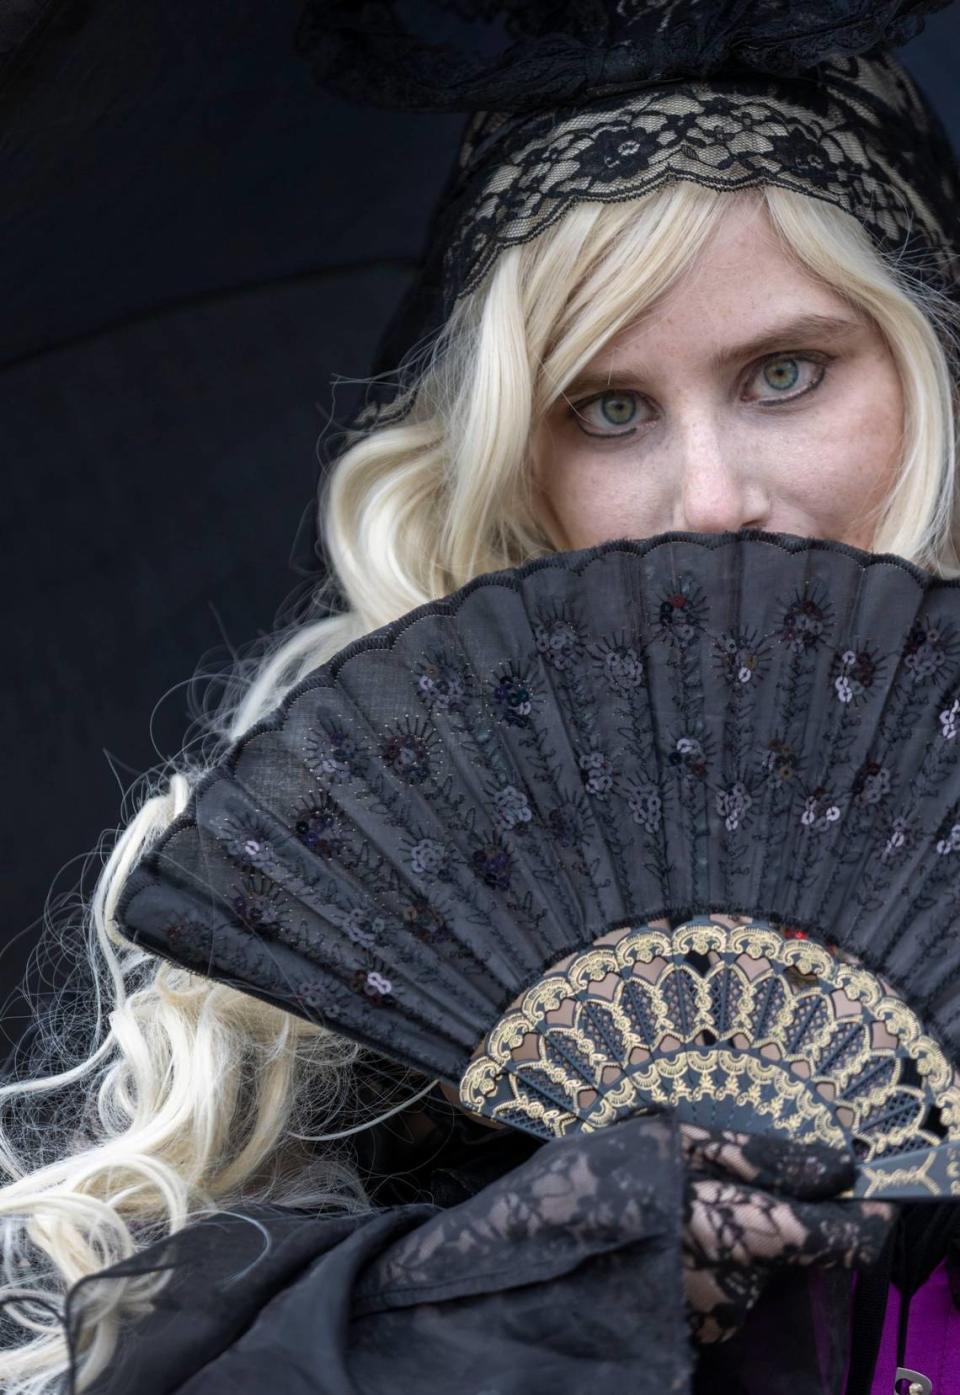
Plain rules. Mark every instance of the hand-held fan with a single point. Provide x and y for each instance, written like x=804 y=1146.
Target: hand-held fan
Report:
x=662 y=823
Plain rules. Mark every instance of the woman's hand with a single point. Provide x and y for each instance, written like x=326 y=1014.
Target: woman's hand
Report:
x=756 y=1203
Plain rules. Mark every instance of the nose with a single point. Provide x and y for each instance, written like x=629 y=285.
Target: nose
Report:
x=716 y=489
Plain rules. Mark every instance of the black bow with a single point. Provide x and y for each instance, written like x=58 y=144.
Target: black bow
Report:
x=558 y=53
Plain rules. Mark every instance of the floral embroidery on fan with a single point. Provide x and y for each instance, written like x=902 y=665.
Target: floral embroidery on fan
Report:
x=682 y=614
x=645 y=805
x=821 y=809
x=429 y=857
x=512 y=807
x=407 y=751
x=253 y=848
x=741 y=658
x=320 y=827
x=493 y=865
x=513 y=699
x=310 y=996
x=871 y=783
x=620 y=665
x=690 y=755
x=426 y=922
x=805 y=623
x=901 y=839
x=733 y=806
x=566 y=825
x=363 y=929
x=950 y=720
x=186 y=936
x=442 y=686
x=780 y=761
x=258 y=904
x=331 y=751
x=375 y=986
x=925 y=654
x=558 y=641
x=596 y=772
x=950 y=842
x=246 y=839
x=854 y=673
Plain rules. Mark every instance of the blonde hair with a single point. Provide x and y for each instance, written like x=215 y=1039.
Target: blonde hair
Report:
x=163 y=1096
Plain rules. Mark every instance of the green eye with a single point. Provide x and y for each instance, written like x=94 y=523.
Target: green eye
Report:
x=782 y=373
x=790 y=376
x=617 y=408
x=608 y=409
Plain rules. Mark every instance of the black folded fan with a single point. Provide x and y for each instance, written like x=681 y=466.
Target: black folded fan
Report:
x=662 y=823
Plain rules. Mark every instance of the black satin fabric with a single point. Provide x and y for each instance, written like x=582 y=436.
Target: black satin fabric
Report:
x=499 y=1265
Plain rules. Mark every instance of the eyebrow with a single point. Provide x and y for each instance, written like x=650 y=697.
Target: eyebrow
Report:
x=802 y=328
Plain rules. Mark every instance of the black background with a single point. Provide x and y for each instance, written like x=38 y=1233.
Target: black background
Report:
x=195 y=244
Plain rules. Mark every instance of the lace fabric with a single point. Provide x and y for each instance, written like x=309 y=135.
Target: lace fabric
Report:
x=859 y=135
x=418 y=1299
x=755 y=1207
x=587 y=1229
x=852 y=138
x=605 y=102
x=565 y=1203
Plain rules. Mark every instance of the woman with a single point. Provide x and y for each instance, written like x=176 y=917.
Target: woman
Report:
x=693 y=357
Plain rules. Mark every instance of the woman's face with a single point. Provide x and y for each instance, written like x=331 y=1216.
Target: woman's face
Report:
x=749 y=396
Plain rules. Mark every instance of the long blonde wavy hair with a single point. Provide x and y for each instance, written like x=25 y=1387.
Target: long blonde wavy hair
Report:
x=151 y=1096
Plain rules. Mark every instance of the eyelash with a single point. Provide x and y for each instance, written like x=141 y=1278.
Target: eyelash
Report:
x=821 y=361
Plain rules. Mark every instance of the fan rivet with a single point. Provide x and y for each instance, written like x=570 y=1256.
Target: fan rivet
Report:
x=917 y=1382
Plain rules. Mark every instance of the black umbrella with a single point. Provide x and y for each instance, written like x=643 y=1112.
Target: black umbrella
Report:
x=194 y=241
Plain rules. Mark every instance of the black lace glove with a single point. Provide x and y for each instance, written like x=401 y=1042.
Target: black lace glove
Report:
x=756 y=1204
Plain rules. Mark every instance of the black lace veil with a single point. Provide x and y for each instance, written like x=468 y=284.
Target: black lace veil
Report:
x=607 y=99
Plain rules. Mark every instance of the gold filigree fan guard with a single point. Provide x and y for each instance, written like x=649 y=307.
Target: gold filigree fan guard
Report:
x=732 y=1023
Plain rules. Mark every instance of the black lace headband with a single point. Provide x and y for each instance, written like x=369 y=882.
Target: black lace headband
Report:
x=606 y=99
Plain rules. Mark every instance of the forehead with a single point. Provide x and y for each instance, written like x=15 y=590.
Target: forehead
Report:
x=743 y=286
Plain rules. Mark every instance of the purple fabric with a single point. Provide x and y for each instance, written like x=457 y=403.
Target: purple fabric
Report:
x=933 y=1338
